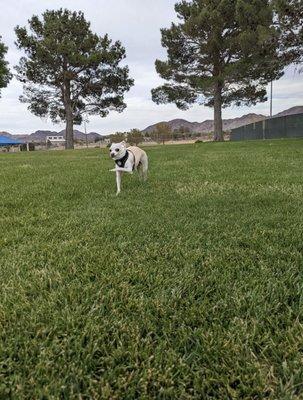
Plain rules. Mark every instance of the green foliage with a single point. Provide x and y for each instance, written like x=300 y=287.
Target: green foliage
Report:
x=222 y=52
x=162 y=133
x=183 y=132
x=117 y=137
x=186 y=287
x=135 y=137
x=5 y=75
x=290 y=19
x=68 y=70
x=184 y=129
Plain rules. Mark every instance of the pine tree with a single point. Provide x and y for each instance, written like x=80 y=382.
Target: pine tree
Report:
x=69 y=71
x=289 y=17
x=162 y=133
x=222 y=52
x=134 y=137
x=117 y=137
x=5 y=75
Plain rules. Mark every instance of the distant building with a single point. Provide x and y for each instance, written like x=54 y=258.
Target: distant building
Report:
x=55 y=139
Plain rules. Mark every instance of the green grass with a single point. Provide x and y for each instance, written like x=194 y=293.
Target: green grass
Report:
x=186 y=287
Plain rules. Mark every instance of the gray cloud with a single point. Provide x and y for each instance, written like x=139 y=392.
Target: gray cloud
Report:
x=137 y=24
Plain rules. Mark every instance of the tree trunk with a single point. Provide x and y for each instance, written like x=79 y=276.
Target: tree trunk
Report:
x=69 y=132
x=218 y=126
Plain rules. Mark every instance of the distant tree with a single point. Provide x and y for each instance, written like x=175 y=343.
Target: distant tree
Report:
x=222 y=52
x=176 y=134
x=117 y=137
x=185 y=131
x=135 y=137
x=69 y=71
x=154 y=136
x=162 y=133
x=98 y=139
x=182 y=129
x=290 y=22
x=5 y=75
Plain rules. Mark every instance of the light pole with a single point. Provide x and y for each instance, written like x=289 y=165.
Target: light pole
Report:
x=271 y=90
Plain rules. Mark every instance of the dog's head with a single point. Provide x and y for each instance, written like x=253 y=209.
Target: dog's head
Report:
x=117 y=150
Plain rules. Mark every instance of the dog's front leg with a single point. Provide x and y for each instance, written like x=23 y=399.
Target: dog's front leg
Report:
x=118 y=181
x=129 y=170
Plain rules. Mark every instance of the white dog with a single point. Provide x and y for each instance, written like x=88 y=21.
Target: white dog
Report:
x=128 y=159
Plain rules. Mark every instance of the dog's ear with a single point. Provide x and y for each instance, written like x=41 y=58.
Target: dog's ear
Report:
x=123 y=143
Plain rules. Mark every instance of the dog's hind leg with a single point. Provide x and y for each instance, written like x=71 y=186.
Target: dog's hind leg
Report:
x=140 y=171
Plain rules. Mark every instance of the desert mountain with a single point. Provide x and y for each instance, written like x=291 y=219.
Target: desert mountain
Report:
x=228 y=124
x=40 y=136
x=291 y=111
x=78 y=135
x=208 y=125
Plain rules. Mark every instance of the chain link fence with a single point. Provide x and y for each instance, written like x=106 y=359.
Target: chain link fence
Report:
x=290 y=126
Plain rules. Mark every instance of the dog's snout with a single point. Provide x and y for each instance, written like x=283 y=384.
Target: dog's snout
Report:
x=112 y=154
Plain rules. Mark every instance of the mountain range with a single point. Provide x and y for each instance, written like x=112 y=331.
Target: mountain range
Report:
x=175 y=124
x=40 y=136
x=228 y=124
x=208 y=125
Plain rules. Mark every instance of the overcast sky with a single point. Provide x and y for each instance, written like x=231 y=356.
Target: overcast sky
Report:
x=137 y=24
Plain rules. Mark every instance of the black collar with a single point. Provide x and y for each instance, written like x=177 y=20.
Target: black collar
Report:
x=121 y=162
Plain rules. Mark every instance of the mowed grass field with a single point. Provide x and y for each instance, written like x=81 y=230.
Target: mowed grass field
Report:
x=187 y=287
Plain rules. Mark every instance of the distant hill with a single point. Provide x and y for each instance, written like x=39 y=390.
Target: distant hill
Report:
x=40 y=136
x=228 y=124
x=4 y=133
x=290 y=111
x=208 y=125
x=78 y=135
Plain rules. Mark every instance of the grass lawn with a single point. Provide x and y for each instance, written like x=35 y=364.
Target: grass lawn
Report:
x=187 y=287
